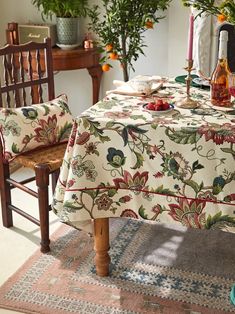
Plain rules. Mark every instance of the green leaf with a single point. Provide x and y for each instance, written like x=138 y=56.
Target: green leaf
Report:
x=136 y=117
x=183 y=136
x=142 y=212
x=139 y=162
x=93 y=127
x=61 y=8
x=112 y=192
x=113 y=210
x=197 y=166
x=218 y=185
x=122 y=24
x=125 y=136
x=71 y=205
x=104 y=138
x=219 y=220
x=154 y=126
x=65 y=131
x=91 y=193
x=15 y=149
x=47 y=110
x=201 y=186
x=217 y=189
x=85 y=122
x=163 y=190
x=110 y=124
x=136 y=129
x=193 y=185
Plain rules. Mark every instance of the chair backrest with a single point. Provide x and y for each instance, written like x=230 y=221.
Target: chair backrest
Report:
x=25 y=70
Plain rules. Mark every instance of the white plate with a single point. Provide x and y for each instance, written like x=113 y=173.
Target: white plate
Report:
x=155 y=112
x=201 y=81
x=67 y=47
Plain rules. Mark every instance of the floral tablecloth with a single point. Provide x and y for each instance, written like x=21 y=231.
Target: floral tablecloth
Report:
x=123 y=161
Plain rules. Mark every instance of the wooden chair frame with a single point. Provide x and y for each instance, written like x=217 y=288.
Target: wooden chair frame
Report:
x=16 y=58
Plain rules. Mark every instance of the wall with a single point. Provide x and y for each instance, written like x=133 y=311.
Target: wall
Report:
x=76 y=84
x=177 y=38
x=165 y=54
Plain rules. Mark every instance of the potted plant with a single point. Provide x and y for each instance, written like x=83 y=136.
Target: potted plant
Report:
x=67 y=13
x=120 y=25
x=224 y=10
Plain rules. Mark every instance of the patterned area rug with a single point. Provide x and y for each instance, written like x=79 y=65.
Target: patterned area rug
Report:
x=155 y=269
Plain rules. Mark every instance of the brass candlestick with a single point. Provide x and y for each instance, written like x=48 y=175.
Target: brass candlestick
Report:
x=188 y=103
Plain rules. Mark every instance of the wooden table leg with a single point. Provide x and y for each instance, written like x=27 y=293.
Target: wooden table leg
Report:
x=101 y=238
x=96 y=74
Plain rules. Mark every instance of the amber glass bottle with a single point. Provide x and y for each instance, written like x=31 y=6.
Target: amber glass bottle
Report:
x=220 y=95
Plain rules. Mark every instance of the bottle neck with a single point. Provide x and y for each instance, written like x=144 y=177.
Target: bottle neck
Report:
x=223 y=49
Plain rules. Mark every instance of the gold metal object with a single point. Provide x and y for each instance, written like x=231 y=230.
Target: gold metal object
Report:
x=188 y=103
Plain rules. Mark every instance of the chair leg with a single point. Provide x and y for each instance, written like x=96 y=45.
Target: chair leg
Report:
x=7 y=219
x=42 y=181
x=54 y=178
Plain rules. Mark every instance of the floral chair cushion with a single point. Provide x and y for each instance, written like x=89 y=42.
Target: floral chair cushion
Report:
x=26 y=128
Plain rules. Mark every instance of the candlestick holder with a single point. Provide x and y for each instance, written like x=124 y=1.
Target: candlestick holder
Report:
x=188 y=102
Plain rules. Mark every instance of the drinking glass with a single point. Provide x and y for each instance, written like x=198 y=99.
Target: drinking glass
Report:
x=231 y=84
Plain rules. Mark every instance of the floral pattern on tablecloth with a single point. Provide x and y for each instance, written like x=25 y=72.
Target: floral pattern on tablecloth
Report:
x=123 y=161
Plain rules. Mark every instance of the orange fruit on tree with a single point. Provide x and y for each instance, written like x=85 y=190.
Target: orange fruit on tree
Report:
x=105 y=67
x=109 y=47
x=221 y=18
x=113 y=56
x=149 y=24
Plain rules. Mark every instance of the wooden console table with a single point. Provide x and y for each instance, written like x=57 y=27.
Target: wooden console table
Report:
x=80 y=58
x=64 y=60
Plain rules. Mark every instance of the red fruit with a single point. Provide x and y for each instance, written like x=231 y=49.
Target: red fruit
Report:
x=159 y=102
x=158 y=107
x=165 y=106
x=150 y=106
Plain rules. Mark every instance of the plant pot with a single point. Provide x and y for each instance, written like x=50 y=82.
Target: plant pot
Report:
x=67 y=30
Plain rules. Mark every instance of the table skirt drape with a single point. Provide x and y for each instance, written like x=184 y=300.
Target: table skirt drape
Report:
x=124 y=161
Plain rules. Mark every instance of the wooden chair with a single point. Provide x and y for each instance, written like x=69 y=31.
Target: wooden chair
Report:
x=19 y=64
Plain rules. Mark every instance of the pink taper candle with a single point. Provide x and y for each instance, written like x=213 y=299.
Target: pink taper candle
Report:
x=190 y=38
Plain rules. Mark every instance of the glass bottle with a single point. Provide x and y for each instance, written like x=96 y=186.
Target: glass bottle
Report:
x=220 y=95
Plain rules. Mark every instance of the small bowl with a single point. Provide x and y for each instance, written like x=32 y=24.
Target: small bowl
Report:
x=142 y=86
x=158 y=112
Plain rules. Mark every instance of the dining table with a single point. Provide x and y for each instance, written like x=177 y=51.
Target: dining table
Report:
x=172 y=166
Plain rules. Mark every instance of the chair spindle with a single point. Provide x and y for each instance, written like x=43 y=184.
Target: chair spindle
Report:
x=39 y=71
x=22 y=74
x=6 y=77
x=30 y=71
x=15 y=77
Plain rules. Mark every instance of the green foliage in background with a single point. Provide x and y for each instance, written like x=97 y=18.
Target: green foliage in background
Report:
x=120 y=25
x=61 y=8
x=226 y=8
